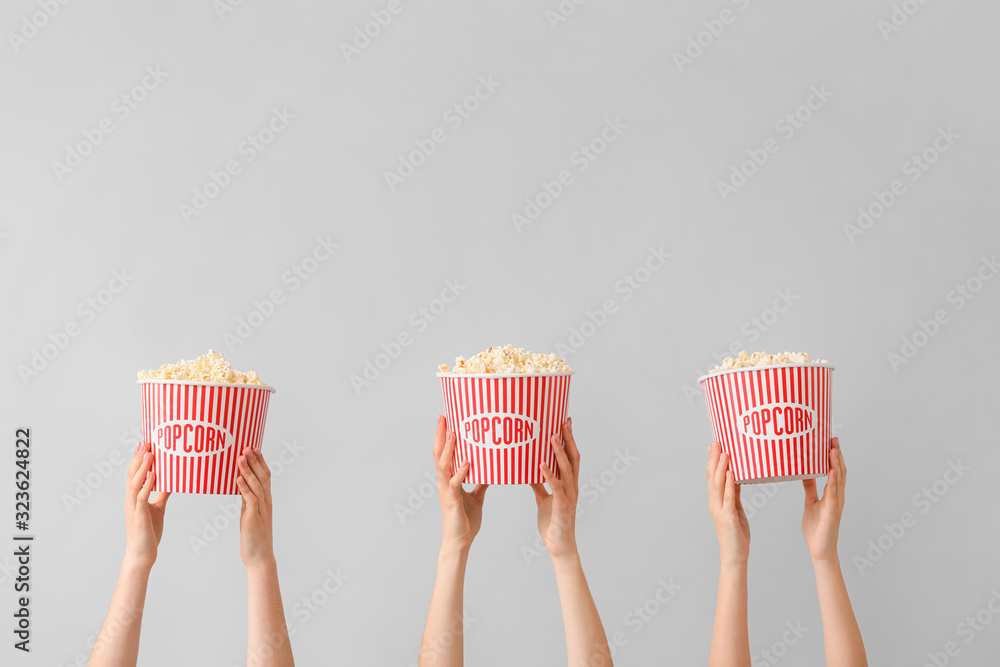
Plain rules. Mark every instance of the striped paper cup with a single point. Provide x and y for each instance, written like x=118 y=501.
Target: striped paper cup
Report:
x=198 y=430
x=773 y=421
x=503 y=423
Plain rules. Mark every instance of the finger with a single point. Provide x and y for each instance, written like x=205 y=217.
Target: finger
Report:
x=250 y=502
x=831 y=492
x=260 y=472
x=439 y=436
x=540 y=492
x=139 y=477
x=554 y=482
x=263 y=464
x=572 y=451
x=809 y=486
x=251 y=479
x=160 y=501
x=147 y=486
x=714 y=452
x=479 y=493
x=445 y=459
x=562 y=458
x=841 y=463
x=136 y=461
x=739 y=502
x=720 y=472
x=729 y=498
x=455 y=483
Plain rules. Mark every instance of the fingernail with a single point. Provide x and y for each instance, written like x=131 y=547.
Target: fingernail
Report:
x=251 y=454
x=239 y=480
x=570 y=420
x=243 y=460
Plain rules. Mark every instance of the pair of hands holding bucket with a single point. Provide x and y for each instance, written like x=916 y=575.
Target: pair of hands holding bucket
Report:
x=820 y=518
x=144 y=519
x=462 y=511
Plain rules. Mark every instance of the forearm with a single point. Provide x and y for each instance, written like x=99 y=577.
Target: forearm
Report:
x=730 y=636
x=586 y=641
x=117 y=644
x=442 y=643
x=841 y=635
x=267 y=642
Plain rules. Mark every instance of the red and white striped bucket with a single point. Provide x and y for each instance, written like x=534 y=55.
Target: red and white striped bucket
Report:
x=503 y=423
x=198 y=430
x=773 y=421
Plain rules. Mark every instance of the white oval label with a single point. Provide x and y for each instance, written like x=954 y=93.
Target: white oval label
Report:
x=777 y=421
x=499 y=429
x=184 y=437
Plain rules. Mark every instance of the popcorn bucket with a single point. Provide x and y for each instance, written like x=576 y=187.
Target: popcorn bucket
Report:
x=198 y=430
x=503 y=423
x=773 y=421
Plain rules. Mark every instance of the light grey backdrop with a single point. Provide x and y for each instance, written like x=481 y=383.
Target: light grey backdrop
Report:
x=892 y=79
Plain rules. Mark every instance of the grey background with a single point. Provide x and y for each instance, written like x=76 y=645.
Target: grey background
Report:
x=360 y=456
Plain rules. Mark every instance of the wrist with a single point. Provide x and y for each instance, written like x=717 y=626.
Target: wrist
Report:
x=453 y=550
x=262 y=565
x=566 y=558
x=133 y=565
x=826 y=561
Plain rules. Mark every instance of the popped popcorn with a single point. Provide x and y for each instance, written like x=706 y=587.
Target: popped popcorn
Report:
x=745 y=360
x=508 y=360
x=211 y=367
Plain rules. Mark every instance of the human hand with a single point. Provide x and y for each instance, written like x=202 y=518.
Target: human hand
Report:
x=557 y=510
x=143 y=519
x=461 y=510
x=254 y=482
x=731 y=526
x=821 y=517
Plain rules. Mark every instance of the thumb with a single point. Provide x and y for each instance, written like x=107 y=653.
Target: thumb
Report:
x=540 y=492
x=479 y=493
x=160 y=502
